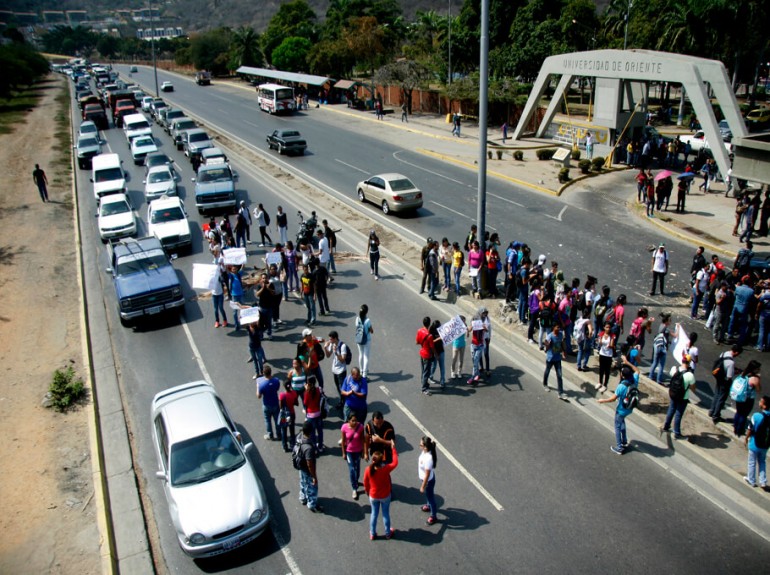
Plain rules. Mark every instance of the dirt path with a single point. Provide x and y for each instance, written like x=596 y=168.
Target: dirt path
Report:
x=49 y=512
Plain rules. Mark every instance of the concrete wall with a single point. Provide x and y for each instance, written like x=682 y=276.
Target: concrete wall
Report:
x=752 y=158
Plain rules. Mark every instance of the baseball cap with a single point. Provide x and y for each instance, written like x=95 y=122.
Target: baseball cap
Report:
x=306 y=332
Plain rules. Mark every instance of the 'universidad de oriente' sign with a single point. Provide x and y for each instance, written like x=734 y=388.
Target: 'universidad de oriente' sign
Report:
x=633 y=66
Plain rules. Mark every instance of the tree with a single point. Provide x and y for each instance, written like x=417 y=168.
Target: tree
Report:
x=366 y=39
x=293 y=19
x=407 y=74
x=331 y=58
x=245 y=48
x=108 y=46
x=21 y=66
x=211 y=50
x=292 y=54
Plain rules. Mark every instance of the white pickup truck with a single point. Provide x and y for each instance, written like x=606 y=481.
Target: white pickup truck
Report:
x=698 y=142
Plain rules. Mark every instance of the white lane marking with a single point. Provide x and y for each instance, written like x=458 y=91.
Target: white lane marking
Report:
x=506 y=200
x=644 y=296
x=557 y=218
x=251 y=124
x=286 y=552
x=445 y=452
x=440 y=175
x=196 y=353
x=461 y=214
x=352 y=167
x=205 y=372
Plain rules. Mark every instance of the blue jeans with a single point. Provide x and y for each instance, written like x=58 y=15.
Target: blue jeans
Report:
x=271 y=417
x=354 y=468
x=237 y=299
x=620 y=431
x=696 y=299
x=374 y=262
x=475 y=281
x=317 y=437
x=259 y=359
x=432 y=284
x=425 y=365
x=266 y=316
x=378 y=504
x=763 y=342
x=458 y=275
x=757 y=458
x=439 y=361
x=240 y=239
x=447 y=274
x=219 y=307
x=288 y=435
x=675 y=411
x=737 y=322
x=659 y=363
x=308 y=492
x=523 y=297
x=310 y=305
x=476 y=353
x=584 y=352
x=332 y=267
x=556 y=364
x=430 y=496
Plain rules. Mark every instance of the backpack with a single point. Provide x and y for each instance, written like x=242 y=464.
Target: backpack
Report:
x=267 y=219
x=739 y=390
x=609 y=317
x=348 y=354
x=324 y=405
x=761 y=433
x=660 y=342
x=319 y=351
x=601 y=308
x=545 y=317
x=361 y=334
x=631 y=398
x=297 y=457
x=676 y=388
x=718 y=369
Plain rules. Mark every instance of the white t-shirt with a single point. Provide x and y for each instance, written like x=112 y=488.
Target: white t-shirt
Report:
x=660 y=259
x=425 y=465
x=338 y=366
x=702 y=280
x=323 y=248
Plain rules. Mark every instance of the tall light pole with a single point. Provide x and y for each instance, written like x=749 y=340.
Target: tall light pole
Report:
x=481 y=202
x=449 y=50
x=152 y=41
x=628 y=15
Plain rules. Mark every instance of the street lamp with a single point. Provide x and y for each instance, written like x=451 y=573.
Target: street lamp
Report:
x=628 y=14
x=152 y=41
x=449 y=36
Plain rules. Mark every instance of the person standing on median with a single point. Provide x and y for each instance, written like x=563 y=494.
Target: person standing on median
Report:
x=624 y=395
x=554 y=353
x=682 y=382
x=723 y=372
x=758 y=441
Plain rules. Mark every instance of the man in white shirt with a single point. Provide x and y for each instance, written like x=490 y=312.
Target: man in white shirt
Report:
x=659 y=268
x=700 y=288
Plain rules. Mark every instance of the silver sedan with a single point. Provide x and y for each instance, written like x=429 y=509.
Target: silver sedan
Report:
x=391 y=192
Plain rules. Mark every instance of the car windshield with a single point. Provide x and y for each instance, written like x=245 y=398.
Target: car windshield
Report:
x=181 y=126
x=88 y=128
x=88 y=142
x=158 y=160
x=108 y=175
x=143 y=142
x=167 y=215
x=142 y=262
x=199 y=137
x=218 y=175
x=138 y=125
x=159 y=176
x=401 y=185
x=203 y=458
x=114 y=208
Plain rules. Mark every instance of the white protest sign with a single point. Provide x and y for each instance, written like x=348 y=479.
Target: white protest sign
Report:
x=682 y=344
x=234 y=256
x=477 y=325
x=451 y=330
x=473 y=272
x=248 y=315
x=205 y=276
x=273 y=258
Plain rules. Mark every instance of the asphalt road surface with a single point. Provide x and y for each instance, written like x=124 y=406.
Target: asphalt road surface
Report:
x=525 y=482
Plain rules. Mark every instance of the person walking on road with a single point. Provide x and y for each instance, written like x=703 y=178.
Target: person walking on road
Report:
x=267 y=390
x=282 y=222
x=353 y=449
x=659 y=268
x=758 y=441
x=41 y=181
x=426 y=465
x=379 y=437
x=624 y=394
x=307 y=285
x=364 y=332
x=263 y=221
x=338 y=351
x=308 y=473
x=723 y=372
x=378 y=487
x=373 y=251
x=404 y=113
x=554 y=353
x=354 y=391
x=287 y=401
x=331 y=235
x=425 y=340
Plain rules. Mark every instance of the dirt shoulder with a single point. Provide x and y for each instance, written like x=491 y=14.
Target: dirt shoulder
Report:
x=49 y=520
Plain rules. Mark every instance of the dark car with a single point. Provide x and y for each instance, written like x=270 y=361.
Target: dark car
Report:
x=287 y=142
x=145 y=281
x=96 y=113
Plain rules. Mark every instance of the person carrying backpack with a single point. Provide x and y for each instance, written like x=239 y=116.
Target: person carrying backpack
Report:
x=682 y=381
x=341 y=358
x=758 y=441
x=303 y=457
x=743 y=391
x=723 y=372
x=627 y=396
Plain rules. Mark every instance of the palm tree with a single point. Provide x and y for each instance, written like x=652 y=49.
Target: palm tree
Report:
x=245 y=47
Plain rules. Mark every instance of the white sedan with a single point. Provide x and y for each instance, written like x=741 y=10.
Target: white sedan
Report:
x=167 y=221
x=116 y=217
x=166 y=87
x=146 y=101
x=392 y=192
x=160 y=181
x=141 y=146
x=215 y=499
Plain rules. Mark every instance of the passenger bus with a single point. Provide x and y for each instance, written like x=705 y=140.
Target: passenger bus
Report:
x=275 y=99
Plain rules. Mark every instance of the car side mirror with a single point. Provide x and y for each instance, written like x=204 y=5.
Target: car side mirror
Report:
x=248 y=447
x=161 y=475
x=144 y=181
x=108 y=270
x=235 y=175
x=192 y=179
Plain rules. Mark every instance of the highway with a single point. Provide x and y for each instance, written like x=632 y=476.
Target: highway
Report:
x=525 y=482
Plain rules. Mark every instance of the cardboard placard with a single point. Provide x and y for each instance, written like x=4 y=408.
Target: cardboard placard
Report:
x=451 y=330
x=205 y=276
x=248 y=315
x=234 y=256
x=273 y=258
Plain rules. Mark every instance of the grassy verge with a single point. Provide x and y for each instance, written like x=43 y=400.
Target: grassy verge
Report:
x=13 y=110
x=62 y=172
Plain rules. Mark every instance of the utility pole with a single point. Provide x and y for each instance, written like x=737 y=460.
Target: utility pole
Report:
x=628 y=15
x=449 y=50
x=152 y=40
x=481 y=202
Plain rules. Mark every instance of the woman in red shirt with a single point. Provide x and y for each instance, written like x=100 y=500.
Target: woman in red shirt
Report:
x=286 y=401
x=378 y=487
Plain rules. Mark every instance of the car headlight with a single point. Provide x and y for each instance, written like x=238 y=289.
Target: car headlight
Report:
x=125 y=304
x=197 y=539
x=177 y=291
x=256 y=516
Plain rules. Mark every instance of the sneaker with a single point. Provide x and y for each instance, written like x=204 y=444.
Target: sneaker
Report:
x=616 y=450
x=224 y=324
x=425 y=508
x=216 y=324
x=432 y=381
x=376 y=278
x=372 y=536
x=431 y=520
x=371 y=273
x=316 y=509
x=268 y=436
x=339 y=441
x=749 y=481
x=254 y=376
x=562 y=397
x=269 y=336
x=262 y=245
x=546 y=388
x=250 y=360
x=390 y=533
x=355 y=495
x=679 y=436
x=303 y=501
x=426 y=392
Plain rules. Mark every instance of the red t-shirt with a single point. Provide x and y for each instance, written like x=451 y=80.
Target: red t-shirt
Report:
x=377 y=484
x=425 y=341
x=313 y=402
x=288 y=399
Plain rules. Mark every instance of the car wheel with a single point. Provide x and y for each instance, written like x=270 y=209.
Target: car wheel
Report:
x=385 y=207
x=361 y=196
x=280 y=149
x=302 y=152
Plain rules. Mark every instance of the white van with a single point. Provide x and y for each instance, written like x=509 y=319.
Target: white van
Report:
x=136 y=125
x=107 y=175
